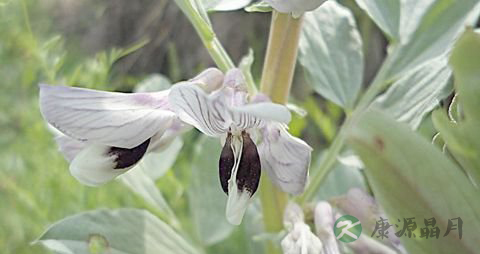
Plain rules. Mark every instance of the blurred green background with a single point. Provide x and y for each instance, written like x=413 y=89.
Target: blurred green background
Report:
x=111 y=45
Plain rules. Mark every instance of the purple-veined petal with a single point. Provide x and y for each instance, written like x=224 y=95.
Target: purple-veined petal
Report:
x=285 y=158
x=108 y=118
x=208 y=113
x=97 y=164
x=258 y=114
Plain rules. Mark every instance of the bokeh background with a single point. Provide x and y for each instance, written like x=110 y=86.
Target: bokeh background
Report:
x=113 y=45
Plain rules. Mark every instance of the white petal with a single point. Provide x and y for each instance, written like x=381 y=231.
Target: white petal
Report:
x=115 y=119
x=300 y=240
x=98 y=164
x=293 y=214
x=285 y=158
x=238 y=200
x=209 y=114
x=237 y=204
x=257 y=114
x=69 y=147
x=324 y=222
x=93 y=168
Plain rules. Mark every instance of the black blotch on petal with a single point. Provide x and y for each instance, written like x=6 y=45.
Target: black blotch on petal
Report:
x=128 y=157
x=225 y=163
x=248 y=174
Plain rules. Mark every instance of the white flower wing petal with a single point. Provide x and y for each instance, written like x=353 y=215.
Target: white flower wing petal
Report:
x=285 y=158
x=209 y=114
x=93 y=167
x=69 y=147
x=114 y=119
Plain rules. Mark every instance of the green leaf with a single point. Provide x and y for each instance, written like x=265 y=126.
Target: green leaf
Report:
x=427 y=30
x=120 y=231
x=462 y=136
x=206 y=197
x=225 y=5
x=331 y=53
x=412 y=178
x=386 y=14
x=417 y=93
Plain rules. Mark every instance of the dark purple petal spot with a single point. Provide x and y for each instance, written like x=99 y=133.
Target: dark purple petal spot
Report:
x=128 y=157
x=225 y=163
x=249 y=170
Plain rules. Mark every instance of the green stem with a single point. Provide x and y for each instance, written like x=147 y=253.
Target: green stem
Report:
x=207 y=35
x=332 y=153
x=277 y=76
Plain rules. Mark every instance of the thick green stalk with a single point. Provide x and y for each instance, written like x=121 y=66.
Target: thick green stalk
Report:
x=276 y=81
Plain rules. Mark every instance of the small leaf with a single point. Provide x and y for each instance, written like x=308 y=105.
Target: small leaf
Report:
x=119 y=231
x=417 y=93
x=412 y=178
x=331 y=53
x=207 y=200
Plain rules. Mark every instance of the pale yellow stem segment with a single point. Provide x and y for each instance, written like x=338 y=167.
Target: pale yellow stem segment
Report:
x=277 y=76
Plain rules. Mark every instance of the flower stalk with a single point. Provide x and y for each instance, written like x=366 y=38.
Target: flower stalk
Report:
x=277 y=76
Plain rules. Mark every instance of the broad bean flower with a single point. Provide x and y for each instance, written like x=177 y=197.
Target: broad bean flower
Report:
x=299 y=239
x=104 y=134
x=255 y=139
x=296 y=7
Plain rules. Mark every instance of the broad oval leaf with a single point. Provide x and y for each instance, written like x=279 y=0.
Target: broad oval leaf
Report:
x=410 y=177
x=331 y=53
x=417 y=93
x=121 y=231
